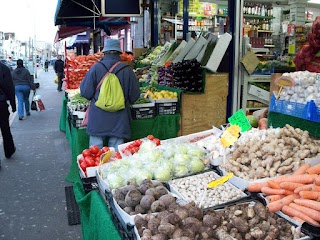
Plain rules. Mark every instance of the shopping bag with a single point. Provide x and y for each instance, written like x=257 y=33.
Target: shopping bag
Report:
x=56 y=79
x=85 y=119
x=34 y=106
x=40 y=105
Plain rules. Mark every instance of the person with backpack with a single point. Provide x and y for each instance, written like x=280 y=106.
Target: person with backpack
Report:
x=7 y=92
x=110 y=123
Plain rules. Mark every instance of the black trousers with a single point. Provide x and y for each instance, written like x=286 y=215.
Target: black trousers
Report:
x=8 y=144
x=60 y=77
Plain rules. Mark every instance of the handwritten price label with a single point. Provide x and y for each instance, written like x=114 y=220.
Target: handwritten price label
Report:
x=230 y=136
x=219 y=181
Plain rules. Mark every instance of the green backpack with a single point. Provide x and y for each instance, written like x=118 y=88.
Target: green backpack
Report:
x=111 y=98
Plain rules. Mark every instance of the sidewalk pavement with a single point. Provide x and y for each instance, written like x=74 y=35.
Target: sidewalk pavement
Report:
x=32 y=197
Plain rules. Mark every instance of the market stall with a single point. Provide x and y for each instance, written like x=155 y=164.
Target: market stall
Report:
x=198 y=161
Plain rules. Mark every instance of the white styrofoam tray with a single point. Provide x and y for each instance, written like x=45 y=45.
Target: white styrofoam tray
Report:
x=187 y=138
x=174 y=190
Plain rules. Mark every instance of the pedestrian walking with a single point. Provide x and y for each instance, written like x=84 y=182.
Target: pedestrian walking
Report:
x=23 y=84
x=59 y=69
x=7 y=92
x=46 y=65
x=102 y=125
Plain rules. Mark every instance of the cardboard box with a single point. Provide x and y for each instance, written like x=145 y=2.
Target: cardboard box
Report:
x=259 y=92
x=138 y=51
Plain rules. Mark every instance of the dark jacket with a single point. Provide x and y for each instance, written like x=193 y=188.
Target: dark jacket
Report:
x=59 y=66
x=7 y=91
x=21 y=76
x=100 y=122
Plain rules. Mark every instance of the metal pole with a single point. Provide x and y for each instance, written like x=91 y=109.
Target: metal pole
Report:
x=185 y=18
x=156 y=21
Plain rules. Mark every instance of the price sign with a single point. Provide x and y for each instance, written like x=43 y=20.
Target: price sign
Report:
x=230 y=136
x=219 y=181
x=283 y=82
x=239 y=118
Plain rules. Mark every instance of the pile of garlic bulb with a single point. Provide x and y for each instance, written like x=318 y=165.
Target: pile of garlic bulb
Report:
x=306 y=88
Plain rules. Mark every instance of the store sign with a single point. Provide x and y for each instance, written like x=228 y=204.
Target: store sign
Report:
x=121 y=8
x=201 y=9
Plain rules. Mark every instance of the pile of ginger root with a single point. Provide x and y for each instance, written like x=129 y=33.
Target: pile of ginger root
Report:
x=270 y=153
x=248 y=221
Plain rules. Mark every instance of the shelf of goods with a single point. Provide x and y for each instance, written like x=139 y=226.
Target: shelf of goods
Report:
x=171 y=198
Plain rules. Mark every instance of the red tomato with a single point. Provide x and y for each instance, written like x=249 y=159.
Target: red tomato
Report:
x=97 y=158
x=156 y=141
x=83 y=166
x=117 y=155
x=94 y=149
x=105 y=149
x=151 y=137
x=89 y=160
x=86 y=153
x=99 y=153
x=137 y=143
x=81 y=160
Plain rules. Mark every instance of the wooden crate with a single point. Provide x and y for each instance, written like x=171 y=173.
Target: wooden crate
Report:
x=199 y=112
x=138 y=51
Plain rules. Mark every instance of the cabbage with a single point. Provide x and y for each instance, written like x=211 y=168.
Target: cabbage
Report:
x=142 y=175
x=196 y=152
x=182 y=148
x=147 y=146
x=196 y=166
x=181 y=159
x=180 y=171
x=115 y=181
x=162 y=174
x=167 y=164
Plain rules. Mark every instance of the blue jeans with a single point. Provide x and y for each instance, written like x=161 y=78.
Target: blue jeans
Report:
x=23 y=92
x=113 y=141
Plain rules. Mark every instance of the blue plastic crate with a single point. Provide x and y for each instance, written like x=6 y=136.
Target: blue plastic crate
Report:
x=307 y=111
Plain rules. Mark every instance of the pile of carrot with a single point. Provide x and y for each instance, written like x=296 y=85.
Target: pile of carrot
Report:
x=297 y=195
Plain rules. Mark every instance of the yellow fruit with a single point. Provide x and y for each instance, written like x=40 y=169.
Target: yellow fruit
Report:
x=175 y=94
x=106 y=157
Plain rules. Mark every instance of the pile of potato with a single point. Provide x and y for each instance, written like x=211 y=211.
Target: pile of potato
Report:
x=188 y=222
x=269 y=153
x=148 y=197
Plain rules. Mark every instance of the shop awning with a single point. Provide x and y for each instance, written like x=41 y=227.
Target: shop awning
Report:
x=107 y=24
x=76 y=11
x=78 y=39
x=65 y=32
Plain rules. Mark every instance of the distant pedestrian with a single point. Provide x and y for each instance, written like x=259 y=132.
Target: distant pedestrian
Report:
x=23 y=83
x=59 y=69
x=7 y=92
x=46 y=65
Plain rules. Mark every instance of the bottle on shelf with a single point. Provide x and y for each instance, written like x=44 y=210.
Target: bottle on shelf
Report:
x=263 y=11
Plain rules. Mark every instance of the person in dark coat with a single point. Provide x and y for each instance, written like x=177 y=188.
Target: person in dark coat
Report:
x=59 y=69
x=7 y=93
x=23 y=83
x=114 y=126
x=46 y=65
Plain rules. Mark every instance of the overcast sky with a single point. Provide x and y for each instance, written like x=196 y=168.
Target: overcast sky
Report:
x=28 y=18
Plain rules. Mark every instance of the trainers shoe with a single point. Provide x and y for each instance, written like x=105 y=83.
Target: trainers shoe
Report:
x=20 y=118
x=28 y=114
